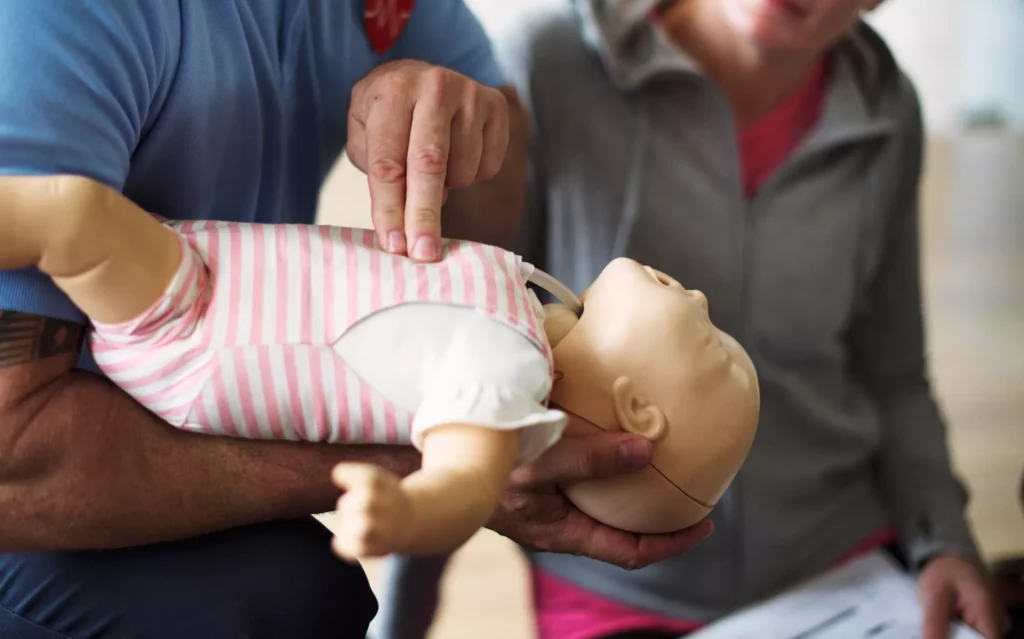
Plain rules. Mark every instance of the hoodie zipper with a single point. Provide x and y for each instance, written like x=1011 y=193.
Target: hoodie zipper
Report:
x=748 y=212
x=733 y=508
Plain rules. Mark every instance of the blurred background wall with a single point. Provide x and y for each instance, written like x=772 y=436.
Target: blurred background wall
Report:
x=966 y=58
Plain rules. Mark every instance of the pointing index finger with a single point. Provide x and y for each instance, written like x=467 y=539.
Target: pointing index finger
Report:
x=387 y=144
x=429 y=146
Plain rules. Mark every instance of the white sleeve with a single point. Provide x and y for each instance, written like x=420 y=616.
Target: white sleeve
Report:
x=494 y=377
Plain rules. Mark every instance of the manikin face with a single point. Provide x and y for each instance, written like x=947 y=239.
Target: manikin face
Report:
x=645 y=358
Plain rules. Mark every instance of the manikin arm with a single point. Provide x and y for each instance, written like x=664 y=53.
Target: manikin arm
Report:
x=109 y=256
x=434 y=510
x=486 y=373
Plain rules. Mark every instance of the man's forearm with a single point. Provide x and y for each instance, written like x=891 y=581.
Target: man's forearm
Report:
x=84 y=466
x=491 y=211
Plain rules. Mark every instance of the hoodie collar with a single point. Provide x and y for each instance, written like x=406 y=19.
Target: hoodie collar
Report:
x=635 y=51
x=632 y=47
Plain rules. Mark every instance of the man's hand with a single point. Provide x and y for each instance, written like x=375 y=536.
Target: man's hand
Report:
x=533 y=511
x=954 y=586
x=417 y=130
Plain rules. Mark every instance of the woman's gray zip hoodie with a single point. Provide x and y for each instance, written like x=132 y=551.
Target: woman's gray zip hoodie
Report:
x=633 y=152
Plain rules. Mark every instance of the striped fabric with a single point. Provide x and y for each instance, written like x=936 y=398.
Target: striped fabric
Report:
x=241 y=342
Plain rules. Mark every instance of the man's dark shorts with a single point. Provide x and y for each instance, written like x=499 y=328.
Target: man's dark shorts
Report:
x=272 y=581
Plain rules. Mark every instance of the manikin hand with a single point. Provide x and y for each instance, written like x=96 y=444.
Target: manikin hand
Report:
x=534 y=513
x=375 y=512
x=416 y=130
x=954 y=586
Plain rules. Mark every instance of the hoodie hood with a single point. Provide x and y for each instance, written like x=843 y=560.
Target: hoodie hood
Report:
x=632 y=47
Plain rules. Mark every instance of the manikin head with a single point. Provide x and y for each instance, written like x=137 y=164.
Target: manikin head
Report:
x=644 y=358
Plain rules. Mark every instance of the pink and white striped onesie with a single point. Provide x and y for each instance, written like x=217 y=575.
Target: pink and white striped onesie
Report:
x=314 y=333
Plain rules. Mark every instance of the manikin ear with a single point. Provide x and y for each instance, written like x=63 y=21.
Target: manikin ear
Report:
x=635 y=414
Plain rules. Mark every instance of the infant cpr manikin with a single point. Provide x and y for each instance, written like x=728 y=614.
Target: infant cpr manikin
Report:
x=644 y=357
x=315 y=333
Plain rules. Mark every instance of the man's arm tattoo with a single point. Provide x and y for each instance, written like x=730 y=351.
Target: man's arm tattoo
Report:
x=25 y=338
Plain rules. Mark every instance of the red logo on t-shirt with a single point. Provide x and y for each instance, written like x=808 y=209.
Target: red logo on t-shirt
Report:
x=385 y=20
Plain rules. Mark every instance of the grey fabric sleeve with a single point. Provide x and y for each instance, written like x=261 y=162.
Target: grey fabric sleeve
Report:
x=926 y=499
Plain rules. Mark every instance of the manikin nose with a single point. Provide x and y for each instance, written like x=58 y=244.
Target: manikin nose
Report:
x=668 y=282
x=661 y=278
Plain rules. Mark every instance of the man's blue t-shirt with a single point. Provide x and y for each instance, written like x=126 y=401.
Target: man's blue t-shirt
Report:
x=198 y=109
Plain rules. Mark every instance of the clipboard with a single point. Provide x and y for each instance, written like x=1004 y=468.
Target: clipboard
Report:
x=868 y=598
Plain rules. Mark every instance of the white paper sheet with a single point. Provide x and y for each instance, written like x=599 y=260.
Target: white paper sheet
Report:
x=869 y=598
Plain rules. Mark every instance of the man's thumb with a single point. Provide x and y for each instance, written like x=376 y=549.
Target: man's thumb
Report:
x=594 y=456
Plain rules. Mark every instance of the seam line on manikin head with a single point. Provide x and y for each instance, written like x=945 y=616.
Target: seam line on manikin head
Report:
x=699 y=502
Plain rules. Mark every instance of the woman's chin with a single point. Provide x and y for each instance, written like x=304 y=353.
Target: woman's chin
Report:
x=763 y=28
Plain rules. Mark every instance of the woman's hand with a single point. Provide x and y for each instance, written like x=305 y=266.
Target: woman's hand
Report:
x=954 y=586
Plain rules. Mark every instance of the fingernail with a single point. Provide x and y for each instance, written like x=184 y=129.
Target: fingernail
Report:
x=396 y=242
x=425 y=249
x=634 y=453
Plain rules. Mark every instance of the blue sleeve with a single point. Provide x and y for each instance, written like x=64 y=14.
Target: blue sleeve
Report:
x=448 y=34
x=77 y=79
